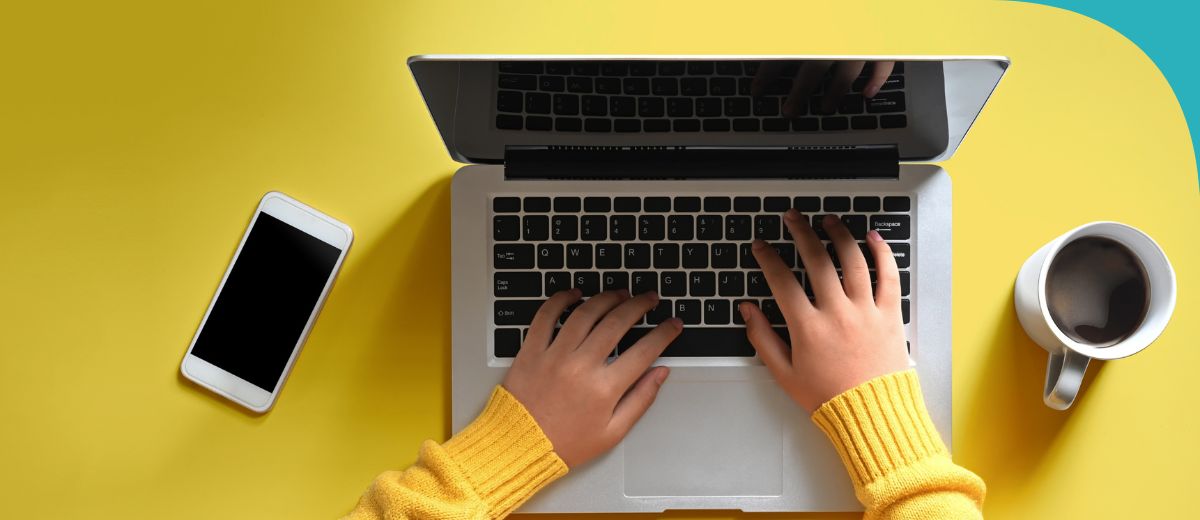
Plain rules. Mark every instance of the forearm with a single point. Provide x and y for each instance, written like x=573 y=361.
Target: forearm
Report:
x=484 y=472
x=899 y=465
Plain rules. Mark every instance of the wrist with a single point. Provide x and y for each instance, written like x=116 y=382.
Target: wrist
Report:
x=505 y=455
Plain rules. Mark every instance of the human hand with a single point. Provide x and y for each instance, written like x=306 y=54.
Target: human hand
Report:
x=843 y=338
x=810 y=74
x=584 y=404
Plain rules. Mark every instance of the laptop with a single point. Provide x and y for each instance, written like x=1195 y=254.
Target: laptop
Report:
x=655 y=173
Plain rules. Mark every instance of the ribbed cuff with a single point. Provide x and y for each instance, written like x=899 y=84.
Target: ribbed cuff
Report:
x=505 y=455
x=880 y=426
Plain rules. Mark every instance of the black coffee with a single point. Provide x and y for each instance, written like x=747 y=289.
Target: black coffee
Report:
x=1097 y=291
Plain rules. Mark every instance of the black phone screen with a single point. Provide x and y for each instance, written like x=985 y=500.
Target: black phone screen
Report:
x=266 y=301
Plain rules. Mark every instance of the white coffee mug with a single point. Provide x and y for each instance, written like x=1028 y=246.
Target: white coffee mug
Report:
x=1069 y=358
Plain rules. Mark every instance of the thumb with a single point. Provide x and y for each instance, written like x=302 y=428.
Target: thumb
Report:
x=637 y=400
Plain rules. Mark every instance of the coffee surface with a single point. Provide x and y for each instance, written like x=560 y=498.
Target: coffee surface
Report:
x=1097 y=291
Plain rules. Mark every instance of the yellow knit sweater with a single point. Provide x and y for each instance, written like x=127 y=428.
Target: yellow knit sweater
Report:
x=898 y=464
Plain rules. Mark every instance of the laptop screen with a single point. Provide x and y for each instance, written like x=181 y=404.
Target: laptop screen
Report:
x=922 y=106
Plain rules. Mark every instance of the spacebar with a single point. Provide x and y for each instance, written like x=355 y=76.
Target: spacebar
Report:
x=702 y=341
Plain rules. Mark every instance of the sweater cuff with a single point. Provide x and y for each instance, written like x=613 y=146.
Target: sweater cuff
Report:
x=505 y=455
x=880 y=426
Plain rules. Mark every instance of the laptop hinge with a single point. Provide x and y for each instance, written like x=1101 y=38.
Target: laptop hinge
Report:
x=701 y=162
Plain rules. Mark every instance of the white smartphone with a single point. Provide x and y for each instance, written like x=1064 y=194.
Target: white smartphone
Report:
x=267 y=301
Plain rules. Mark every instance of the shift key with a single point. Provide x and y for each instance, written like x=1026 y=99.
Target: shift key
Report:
x=515 y=312
x=891 y=227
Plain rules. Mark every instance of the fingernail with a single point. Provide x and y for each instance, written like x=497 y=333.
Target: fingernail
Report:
x=758 y=244
x=660 y=375
x=677 y=323
x=653 y=295
x=874 y=236
x=871 y=91
x=830 y=220
x=792 y=214
x=742 y=309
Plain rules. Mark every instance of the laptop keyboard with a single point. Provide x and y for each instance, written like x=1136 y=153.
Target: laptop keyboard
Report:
x=678 y=96
x=693 y=250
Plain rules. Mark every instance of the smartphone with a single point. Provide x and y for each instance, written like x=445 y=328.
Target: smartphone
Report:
x=267 y=301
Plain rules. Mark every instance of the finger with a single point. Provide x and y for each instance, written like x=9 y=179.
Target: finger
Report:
x=770 y=347
x=542 y=327
x=880 y=71
x=780 y=279
x=636 y=401
x=616 y=323
x=817 y=265
x=582 y=319
x=887 y=288
x=856 y=280
x=634 y=361
x=844 y=74
x=807 y=79
x=768 y=71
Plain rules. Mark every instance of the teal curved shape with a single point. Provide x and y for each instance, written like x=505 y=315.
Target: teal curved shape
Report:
x=1162 y=29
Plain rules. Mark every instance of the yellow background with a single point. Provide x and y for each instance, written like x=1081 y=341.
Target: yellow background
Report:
x=137 y=137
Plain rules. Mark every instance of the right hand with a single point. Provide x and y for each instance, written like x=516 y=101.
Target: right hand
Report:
x=844 y=337
x=810 y=74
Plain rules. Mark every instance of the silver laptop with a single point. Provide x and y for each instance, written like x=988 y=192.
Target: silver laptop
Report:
x=655 y=173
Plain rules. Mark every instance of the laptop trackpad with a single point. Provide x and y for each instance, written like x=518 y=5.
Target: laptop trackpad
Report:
x=708 y=438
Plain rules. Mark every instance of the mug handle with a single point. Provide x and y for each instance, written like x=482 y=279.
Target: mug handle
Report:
x=1064 y=375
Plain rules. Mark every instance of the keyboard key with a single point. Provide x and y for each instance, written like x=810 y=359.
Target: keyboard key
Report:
x=515 y=312
x=538 y=123
x=664 y=86
x=695 y=256
x=521 y=67
x=643 y=281
x=622 y=227
x=506 y=342
x=737 y=106
x=657 y=204
x=776 y=204
x=579 y=85
x=608 y=86
x=637 y=256
x=864 y=123
x=627 y=204
x=656 y=125
x=747 y=204
x=747 y=254
x=896 y=204
x=699 y=68
x=506 y=204
x=819 y=227
x=551 y=83
x=834 y=123
x=635 y=86
x=857 y=224
x=642 y=68
x=679 y=227
x=766 y=227
x=756 y=284
x=716 y=204
x=561 y=68
x=893 y=121
x=597 y=125
x=716 y=312
x=564 y=227
x=627 y=125
x=729 y=68
x=566 y=204
x=509 y=101
x=651 y=227
x=724 y=87
x=513 y=256
x=737 y=227
x=673 y=283
x=538 y=103
x=566 y=105
x=904 y=310
x=535 y=227
x=886 y=102
x=731 y=283
x=709 y=227
x=693 y=87
x=715 y=125
x=745 y=125
x=651 y=107
x=687 y=204
x=904 y=283
x=766 y=106
x=773 y=313
x=518 y=82
x=509 y=122
x=579 y=256
x=775 y=125
x=517 y=284
x=537 y=204
x=666 y=256
x=588 y=283
x=708 y=107
x=715 y=342
x=614 y=68
x=679 y=107
x=702 y=283
x=724 y=256
x=506 y=228
x=621 y=106
x=671 y=68
x=593 y=227
x=594 y=106
x=688 y=311
x=608 y=256
x=902 y=254
x=837 y=204
x=737 y=313
x=615 y=280
x=891 y=227
x=850 y=104
x=557 y=281
x=568 y=124
x=597 y=204
x=866 y=204
x=807 y=204
x=806 y=124
x=660 y=312
x=550 y=256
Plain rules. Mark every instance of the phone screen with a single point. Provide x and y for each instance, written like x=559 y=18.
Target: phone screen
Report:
x=266 y=301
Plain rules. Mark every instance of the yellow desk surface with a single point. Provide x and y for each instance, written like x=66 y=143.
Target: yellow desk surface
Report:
x=137 y=137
